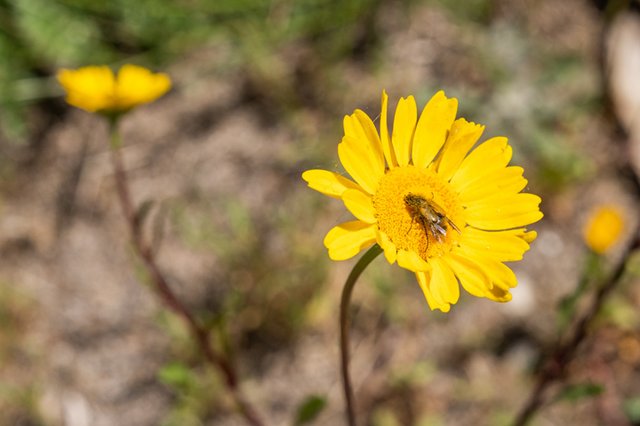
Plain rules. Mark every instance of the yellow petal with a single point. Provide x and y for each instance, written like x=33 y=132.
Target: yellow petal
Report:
x=390 y=250
x=514 y=221
x=137 y=85
x=462 y=137
x=360 y=205
x=443 y=282
x=506 y=246
x=411 y=261
x=435 y=121
x=97 y=89
x=504 y=211
x=603 y=229
x=470 y=275
x=424 y=280
x=360 y=163
x=360 y=127
x=508 y=180
x=328 y=183
x=499 y=294
x=385 y=140
x=499 y=273
x=404 y=124
x=489 y=156
x=348 y=239
x=89 y=88
x=528 y=236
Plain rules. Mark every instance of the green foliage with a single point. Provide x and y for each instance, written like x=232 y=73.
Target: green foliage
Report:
x=580 y=391
x=414 y=374
x=195 y=393
x=57 y=35
x=385 y=417
x=41 y=36
x=177 y=376
x=620 y=311
x=309 y=409
x=11 y=111
x=263 y=292
x=474 y=10
x=631 y=407
x=593 y=270
x=19 y=405
x=560 y=165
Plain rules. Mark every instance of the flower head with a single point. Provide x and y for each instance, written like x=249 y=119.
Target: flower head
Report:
x=603 y=228
x=449 y=214
x=98 y=89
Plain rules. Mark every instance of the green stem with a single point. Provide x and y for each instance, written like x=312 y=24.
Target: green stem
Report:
x=592 y=272
x=115 y=139
x=344 y=328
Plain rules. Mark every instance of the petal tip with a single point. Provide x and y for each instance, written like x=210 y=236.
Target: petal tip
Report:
x=305 y=175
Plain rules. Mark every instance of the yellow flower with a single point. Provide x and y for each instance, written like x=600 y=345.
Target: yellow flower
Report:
x=603 y=228
x=448 y=215
x=97 y=89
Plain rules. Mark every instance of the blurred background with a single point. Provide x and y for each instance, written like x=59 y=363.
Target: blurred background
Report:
x=260 y=89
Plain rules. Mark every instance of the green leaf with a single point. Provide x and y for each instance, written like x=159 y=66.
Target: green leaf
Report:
x=631 y=408
x=176 y=375
x=310 y=408
x=579 y=391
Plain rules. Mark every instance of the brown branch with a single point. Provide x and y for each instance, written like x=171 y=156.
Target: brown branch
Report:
x=168 y=297
x=554 y=368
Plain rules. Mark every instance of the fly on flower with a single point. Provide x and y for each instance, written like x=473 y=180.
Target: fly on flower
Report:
x=473 y=221
x=430 y=217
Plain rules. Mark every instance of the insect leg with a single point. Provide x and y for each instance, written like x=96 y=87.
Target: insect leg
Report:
x=411 y=225
x=426 y=233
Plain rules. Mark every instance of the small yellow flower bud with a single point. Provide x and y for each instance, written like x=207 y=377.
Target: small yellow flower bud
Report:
x=603 y=229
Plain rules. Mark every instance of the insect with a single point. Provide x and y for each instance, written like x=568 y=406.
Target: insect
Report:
x=429 y=215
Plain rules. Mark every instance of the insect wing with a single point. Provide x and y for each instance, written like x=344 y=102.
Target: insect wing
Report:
x=438 y=211
x=453 y=225
x=438 y=230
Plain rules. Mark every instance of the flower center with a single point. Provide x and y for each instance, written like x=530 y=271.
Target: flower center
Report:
x=418 y=211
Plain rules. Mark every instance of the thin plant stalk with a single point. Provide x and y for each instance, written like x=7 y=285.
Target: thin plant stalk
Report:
x=554 y=368
x=161 y=287
x=345 y=301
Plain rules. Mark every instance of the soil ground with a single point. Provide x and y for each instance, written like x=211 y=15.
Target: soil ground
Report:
x=83 y=339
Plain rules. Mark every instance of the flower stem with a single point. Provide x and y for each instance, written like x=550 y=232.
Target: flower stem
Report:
x=364 y=261
x=160 y=285
x=554 y=368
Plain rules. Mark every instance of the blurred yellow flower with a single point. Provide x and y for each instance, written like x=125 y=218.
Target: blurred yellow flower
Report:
x=450 y=216
x=603 y=229
x=97 y=89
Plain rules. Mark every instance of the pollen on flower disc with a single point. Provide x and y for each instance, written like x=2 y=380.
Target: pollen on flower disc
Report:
x=396 y=221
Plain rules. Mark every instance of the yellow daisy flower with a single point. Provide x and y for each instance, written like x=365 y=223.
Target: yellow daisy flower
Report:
x=603 y=229
x=449 y=215
x=97 y=89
